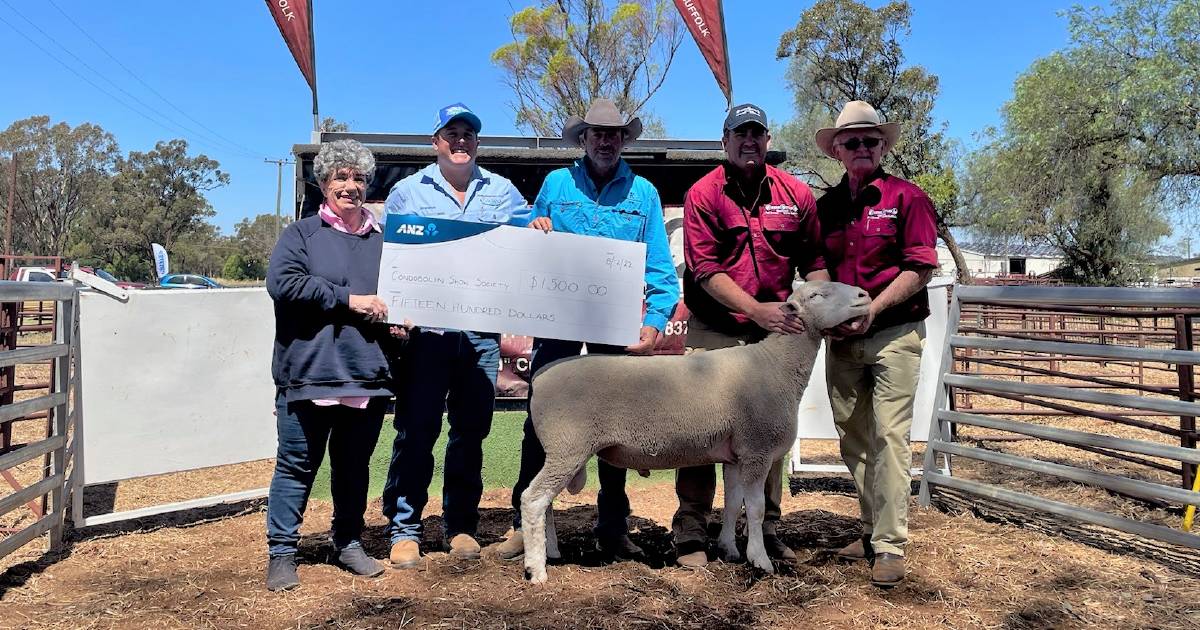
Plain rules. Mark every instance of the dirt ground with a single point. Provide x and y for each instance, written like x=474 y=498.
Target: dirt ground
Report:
x=963 y=573
x=967 y=569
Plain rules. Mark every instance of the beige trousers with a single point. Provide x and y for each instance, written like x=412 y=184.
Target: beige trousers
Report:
x=872 y=384
x=697 y=485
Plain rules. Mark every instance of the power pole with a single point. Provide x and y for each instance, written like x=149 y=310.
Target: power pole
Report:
x=278 y=193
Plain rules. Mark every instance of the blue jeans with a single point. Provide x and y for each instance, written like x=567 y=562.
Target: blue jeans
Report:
x=304 y=429
x=612 y=504
x=456 y=372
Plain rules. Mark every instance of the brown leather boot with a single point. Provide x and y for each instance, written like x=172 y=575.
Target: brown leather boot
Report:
x=777 y=549
x=513 y=547
x=405 y=554
x=887 y=570
x=860 y=549
x=462 y=547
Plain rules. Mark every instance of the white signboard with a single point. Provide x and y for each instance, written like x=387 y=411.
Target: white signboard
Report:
x=816 y=415
x=504 y=279
x=175 y=380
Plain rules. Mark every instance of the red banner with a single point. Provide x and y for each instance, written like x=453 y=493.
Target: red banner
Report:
x=706 y=20
x=294 y=18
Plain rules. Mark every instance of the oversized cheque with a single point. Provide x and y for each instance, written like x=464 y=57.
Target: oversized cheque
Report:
x=499 y=278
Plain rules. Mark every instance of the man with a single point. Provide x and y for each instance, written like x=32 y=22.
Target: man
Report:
x=600 y=196
x=748 y=228
x=879 y=235
x=446 y=369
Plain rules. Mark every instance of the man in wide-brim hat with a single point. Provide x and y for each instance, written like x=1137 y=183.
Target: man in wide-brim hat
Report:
x=599 y=195
x=879 y=234
x=603 y=113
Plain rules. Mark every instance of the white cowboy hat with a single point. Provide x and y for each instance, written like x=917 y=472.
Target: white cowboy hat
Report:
x=602 y=113
x=857 y=115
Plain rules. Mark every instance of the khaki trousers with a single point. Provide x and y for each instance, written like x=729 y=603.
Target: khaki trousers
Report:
x=697 y=485
x=872 y=384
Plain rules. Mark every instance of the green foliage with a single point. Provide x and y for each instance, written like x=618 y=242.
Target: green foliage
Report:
x=566 y=53
x=157 y=197
x=1096 y=140
x=63 y=173
x=843 y=50
x=236 y=267
x=329 y=123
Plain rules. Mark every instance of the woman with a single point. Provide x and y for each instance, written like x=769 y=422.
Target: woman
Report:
x=329 y=363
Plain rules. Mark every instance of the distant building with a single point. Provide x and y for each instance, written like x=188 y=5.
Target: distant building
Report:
x=996 y=259
x=1177 y=271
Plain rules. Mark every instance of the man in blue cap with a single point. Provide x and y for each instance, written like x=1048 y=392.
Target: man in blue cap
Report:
x=452 y=370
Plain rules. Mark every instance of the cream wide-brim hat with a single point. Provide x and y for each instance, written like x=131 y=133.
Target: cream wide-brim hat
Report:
x=857 y=115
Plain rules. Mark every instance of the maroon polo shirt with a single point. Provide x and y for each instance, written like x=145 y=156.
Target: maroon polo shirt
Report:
x=759 y=237
x=888 y=228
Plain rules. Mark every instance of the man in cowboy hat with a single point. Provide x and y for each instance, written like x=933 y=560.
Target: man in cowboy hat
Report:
x=748 y=228
x=440 y=365
x=600 y=196
x=879 y=235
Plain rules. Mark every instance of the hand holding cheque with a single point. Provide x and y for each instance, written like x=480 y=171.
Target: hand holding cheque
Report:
x=498 y=278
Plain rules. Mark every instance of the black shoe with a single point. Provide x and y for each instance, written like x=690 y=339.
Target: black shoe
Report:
x=620 y=548
x=281 y=573
x=356 y=561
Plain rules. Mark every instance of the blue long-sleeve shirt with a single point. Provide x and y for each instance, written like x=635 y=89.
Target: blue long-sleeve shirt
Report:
x=490 y=198
x=626 y=208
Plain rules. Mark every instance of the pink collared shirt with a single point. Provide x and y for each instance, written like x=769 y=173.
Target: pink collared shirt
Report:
x=368 y=223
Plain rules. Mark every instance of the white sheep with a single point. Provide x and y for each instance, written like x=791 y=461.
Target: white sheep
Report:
x=735 y=406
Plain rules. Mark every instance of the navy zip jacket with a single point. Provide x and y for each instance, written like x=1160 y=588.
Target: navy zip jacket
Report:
x=322 y=348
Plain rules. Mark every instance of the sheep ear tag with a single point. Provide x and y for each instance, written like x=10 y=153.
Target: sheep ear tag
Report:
x=411 y=229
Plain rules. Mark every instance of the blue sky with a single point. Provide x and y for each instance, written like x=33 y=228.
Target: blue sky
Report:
x=235 y=94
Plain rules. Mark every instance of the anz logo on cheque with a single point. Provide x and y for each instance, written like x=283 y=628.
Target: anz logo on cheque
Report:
x=417 y=230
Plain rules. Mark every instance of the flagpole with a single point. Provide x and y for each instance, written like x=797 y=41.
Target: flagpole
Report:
x=312 y=43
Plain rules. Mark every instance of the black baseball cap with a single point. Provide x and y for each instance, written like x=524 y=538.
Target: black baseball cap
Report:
x=745 y=113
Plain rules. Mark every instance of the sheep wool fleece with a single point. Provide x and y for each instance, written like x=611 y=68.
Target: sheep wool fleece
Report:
x=696 y=486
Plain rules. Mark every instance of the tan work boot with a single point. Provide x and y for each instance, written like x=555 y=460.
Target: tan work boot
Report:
x=857 y=550
x=694 y=560
x=513 y=547
x=887 y=570
x=777 y=549
x=691 y=554
x=405 y=554
x=463 y=547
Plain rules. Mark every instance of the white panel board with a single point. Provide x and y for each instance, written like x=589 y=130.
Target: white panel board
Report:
x=175 y=380
x=815 y=415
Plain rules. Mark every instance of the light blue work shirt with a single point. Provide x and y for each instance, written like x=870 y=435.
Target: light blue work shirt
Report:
x=490 y=198
x=626 y=208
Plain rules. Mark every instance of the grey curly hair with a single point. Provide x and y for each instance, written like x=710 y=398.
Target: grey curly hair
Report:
x=341 y=154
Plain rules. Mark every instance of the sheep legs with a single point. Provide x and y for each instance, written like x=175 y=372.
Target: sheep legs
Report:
x=536 y=503
x=744 y=483
x=733 y=507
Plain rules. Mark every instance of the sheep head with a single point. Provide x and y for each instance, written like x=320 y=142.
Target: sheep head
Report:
x=824 y=305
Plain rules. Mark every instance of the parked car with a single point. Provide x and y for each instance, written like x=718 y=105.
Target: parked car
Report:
x=187 y=281
x=124 y=284
x=32 y=274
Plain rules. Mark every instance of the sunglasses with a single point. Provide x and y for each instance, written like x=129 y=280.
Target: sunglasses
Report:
x=853 y=143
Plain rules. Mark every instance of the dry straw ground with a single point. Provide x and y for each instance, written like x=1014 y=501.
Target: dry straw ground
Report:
x=969 y=567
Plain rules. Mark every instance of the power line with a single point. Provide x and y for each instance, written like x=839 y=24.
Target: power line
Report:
x=202 y=138
x=144 y=84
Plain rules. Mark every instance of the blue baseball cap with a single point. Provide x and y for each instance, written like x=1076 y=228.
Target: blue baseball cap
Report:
x=453 y=112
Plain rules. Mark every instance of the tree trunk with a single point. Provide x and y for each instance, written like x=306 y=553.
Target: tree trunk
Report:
x=964 y=274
